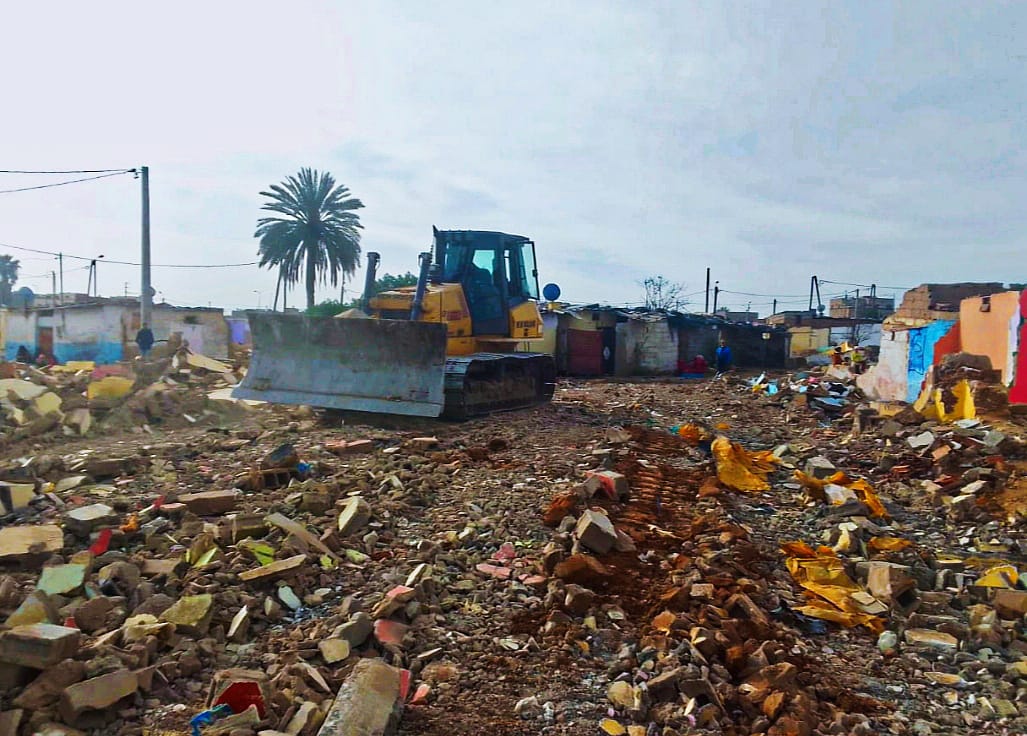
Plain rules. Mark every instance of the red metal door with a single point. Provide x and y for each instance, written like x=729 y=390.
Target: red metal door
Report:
x=584 y=352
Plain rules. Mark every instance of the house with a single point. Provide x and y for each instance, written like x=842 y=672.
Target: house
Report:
x=595 y=340
x=867 y=307
x=103 y=330
x=812 y=334
x=936 y=320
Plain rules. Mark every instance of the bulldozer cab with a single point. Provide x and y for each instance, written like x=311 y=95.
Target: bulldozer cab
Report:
x=497 y=272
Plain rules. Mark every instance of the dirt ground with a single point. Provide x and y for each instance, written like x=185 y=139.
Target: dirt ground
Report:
x=484 y=643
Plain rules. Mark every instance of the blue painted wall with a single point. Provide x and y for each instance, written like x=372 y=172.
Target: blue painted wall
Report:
x=921 y=354
x=101 y=353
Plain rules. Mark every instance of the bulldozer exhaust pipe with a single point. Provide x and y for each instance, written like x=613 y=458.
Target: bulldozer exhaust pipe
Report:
x=369 y=278
x=422 y=286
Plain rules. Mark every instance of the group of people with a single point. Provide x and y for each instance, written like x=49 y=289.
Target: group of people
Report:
x=856 y=358
x=699 y=366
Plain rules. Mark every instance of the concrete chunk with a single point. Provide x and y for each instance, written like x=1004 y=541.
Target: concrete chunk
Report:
x=191 y=614
x=820 y=467
x=614 y=484
x=22 y=542
x=85 y=519
x=210 y=503
x=367 y=703
x=354 y=516
x=356 y=630
x=275 y=569
x=46 y=689
x=38 y=645
x=36 y=609
x=596 y=531
x=97 y=694
x=61 y=579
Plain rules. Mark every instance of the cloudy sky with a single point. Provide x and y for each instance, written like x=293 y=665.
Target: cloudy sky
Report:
x=862 y=142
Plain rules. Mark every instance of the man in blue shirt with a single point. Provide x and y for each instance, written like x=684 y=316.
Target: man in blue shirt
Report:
x=723 y=357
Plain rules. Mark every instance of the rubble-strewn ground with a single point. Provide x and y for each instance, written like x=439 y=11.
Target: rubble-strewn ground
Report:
x=681 y=618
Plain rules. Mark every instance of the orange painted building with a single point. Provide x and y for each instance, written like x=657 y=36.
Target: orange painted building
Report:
x=989 y=325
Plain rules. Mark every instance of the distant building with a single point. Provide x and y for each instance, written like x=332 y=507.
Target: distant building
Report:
x=737 y=316
x=103 y=330
x=863 y=307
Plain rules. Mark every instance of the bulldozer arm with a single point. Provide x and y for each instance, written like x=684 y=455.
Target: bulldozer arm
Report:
x=372 y=365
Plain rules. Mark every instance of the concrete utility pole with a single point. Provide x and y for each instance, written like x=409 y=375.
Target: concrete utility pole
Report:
x=146 y=294
x=60 y=265
x=707 y=309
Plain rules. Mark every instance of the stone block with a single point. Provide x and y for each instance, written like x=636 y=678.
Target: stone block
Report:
x=614 y=484
x=191 y=614
x=354 y=516
x=276 y=569
x=210 y=503
x=39 y=645
x=820 y=467
x=37 y=608
x=84 y=520
x=62 y=579
x=96 y=694
x=46 y=689
x=356 y=630
x=595 y=531
x=24 y=543
x=368 y=702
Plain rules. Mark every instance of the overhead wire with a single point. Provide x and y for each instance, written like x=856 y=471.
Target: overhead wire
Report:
x=129 y=263
x=64 y=171
x=65 y=183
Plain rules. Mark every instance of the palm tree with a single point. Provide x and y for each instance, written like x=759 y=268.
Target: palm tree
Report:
x=316 y=225
x=8 y=276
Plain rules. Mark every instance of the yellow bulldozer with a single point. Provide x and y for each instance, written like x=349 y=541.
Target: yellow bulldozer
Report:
x=447 y=347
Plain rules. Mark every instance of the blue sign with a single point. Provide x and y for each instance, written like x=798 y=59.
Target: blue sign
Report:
x=551 y=292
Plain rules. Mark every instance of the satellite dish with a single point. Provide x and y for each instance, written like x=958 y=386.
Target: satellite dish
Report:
x=551 y=292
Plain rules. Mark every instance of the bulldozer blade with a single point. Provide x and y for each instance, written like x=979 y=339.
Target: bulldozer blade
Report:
x=372 y=365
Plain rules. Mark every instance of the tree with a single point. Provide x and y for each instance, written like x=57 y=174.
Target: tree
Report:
x=661 y=293
x=331 y=307
x=388 y=281
x=8 y=277
x=316 y=225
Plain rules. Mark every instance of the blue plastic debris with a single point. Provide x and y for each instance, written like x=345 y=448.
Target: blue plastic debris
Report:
x=208 y=717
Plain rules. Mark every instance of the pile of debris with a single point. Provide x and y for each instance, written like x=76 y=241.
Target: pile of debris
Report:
x=226 y=607
x=80 y=398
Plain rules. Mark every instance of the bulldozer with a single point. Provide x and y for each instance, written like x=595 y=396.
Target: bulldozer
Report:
x=446 y=347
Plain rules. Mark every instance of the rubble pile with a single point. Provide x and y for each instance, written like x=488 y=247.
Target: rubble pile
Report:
x=80 y=399
x=636 y=558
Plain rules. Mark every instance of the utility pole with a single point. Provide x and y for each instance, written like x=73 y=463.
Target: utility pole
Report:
x=716 y=295
x=126 y=288
x=707 y=309
x=53 y=277
x=775 y=307
x=145 y=296
x=60 y=265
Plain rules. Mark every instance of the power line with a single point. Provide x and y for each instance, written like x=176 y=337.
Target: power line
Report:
x=132 y=263
x=866 y=286
x=64 y=183
x=66 y=171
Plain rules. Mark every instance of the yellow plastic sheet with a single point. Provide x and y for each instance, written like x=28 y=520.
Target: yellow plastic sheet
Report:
x=73 y=366
x=814 y=488
x=931 y=406
x=111 y=387
x=829 y=589
x=1000 y=576
x=888 y=544
x=740 y=469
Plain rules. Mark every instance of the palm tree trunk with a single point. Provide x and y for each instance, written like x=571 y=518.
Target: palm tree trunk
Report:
x=309 y=248
x=278 y=287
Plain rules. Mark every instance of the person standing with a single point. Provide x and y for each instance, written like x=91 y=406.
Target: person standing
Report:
x=723 y=357
x=144 y=339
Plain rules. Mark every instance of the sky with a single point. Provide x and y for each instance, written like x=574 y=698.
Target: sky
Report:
x=862 y=142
